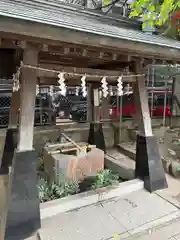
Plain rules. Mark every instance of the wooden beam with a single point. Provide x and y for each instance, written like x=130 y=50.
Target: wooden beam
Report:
x=142 y=107
x=56 y=34
x=66 y=50
x=27 y=99
x=87 y=53
x=44 y=47
x=8 y=43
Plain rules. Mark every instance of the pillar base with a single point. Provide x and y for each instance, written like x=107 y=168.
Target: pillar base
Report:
x=96 y=136
x=149 y=165
x=8 y=152
x=23 y=212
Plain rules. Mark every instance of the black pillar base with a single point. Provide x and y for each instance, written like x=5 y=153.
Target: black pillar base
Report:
x=8 y=152
x=23 y=216
x=96 y=136
x=148 y=164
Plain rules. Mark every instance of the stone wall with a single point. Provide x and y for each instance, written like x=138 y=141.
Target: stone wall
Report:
x=79 y=132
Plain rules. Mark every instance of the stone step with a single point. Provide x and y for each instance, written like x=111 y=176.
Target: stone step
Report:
x=128 y=149
x=171 y=166
x=120 y=163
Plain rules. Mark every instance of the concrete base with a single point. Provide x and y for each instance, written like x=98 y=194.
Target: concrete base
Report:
x=8 y=152
x=126 y=215
x=149 y=165
x=59 y=166
x=96 y=136
x=23 y=216
x=84 y=199
x=121 y=164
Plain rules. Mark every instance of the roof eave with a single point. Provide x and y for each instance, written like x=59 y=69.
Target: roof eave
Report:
x=49 y=33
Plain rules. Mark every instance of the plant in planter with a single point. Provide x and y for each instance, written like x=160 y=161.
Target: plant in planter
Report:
x=51 y=191
x=104 y=179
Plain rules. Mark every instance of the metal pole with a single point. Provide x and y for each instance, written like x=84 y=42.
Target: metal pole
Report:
x=40 y=105
x=148 y=75
x=120 y=117
x=172 y=102
x=152 y=93
x=117 y=105
x=165 y=102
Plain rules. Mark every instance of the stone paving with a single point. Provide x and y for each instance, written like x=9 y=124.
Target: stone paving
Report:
x=167 y=231
x=121 y=218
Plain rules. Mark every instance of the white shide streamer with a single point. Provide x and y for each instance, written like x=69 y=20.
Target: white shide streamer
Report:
x=37 y=89
x=104 y=87
x=83 y=85
x=62 y=84
x=16 y=84
x=119 y=86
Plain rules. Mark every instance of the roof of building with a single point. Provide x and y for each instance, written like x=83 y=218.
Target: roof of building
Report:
x=53 y=14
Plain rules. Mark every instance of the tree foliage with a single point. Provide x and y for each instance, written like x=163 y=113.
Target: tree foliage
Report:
x=155 y=12
x=164 y=14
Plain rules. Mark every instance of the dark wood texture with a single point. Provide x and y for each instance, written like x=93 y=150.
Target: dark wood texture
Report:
x=148 y=160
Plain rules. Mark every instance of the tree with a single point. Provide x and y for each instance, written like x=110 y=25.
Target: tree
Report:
x=155 y=12
x=159 y=13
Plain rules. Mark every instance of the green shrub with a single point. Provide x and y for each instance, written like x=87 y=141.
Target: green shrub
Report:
x=104 y=179
x=50 y=191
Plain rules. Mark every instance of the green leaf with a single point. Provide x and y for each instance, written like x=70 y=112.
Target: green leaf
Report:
x=178 y=4
x=145 y=17
x=151 y=8
x=105 y=178
x=144 y=25
x=151 y=23
x=106 y=2
x=134 y=13
x=164 y=9
x=159 y=22
x=139 y=9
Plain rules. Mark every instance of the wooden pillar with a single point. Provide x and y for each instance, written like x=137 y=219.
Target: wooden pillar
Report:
x=27 y=100
x=23 y=214
x=105 y=107
x=96 y=104
x=89 y=103
x=96 y=136
x=148 y=160
x=175 y=101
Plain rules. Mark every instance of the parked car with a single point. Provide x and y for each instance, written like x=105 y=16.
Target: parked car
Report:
x=44 y=111
x=62 y=105
x=156 y=106
x=5 y=102
x=79 y=112
x=79 y=109
x=70 y=106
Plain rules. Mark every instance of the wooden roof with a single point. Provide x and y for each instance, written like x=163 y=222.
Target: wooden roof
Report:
x=48 y=22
